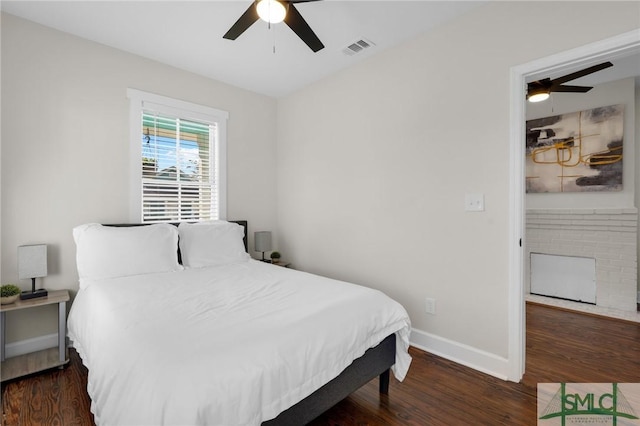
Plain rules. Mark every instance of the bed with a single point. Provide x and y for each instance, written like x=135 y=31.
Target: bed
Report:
x=206 y=335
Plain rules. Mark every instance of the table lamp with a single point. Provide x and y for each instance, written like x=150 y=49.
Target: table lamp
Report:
x=262 y=241
x=32 y=264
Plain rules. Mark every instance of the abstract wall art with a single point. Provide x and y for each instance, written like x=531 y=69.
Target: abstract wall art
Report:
x=576 y=152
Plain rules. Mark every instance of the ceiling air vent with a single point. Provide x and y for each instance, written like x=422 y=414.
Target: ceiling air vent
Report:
x=357 y=47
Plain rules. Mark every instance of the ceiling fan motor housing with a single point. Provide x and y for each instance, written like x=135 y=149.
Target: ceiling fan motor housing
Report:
x=291 y=17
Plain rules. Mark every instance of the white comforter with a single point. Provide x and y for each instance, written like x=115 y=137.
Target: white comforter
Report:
x=228 y=345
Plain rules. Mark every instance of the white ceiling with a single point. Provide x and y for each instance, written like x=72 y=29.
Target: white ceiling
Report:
x=188 y=34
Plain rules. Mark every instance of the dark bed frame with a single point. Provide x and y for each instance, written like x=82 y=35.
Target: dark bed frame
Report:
x=376 y=362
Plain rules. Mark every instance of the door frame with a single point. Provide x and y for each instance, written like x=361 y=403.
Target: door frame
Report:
x=614 y=47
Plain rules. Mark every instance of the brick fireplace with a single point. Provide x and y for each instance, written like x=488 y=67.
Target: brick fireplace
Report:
x=606 y=235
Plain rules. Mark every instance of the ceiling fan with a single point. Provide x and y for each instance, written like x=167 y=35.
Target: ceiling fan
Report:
x=539 y=90
x=274 y=11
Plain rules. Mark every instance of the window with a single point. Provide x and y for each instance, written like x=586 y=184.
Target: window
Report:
x=177 y=160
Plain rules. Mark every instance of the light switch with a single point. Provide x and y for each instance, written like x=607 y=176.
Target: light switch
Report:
x=474 y=202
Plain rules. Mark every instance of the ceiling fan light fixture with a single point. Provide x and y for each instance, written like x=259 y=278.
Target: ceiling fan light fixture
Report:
x=271 y=11
x=538 y=95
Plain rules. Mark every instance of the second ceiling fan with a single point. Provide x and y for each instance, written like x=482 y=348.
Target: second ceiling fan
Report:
x=541 y=89
x=274 y=11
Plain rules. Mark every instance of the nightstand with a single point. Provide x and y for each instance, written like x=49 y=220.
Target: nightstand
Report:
x=41 y=360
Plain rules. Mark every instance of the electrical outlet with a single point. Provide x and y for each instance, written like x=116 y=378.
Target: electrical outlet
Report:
x=430 y=305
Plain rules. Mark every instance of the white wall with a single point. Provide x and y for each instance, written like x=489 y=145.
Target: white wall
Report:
x=0 y=153
x=637 y=158
x=374 y=164
x=613 y=93
x=65 y=147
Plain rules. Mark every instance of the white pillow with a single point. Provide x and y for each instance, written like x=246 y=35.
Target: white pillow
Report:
x=109 y=252
x=211 y=244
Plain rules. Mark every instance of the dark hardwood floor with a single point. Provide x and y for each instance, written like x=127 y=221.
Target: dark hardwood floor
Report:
x=562 y=346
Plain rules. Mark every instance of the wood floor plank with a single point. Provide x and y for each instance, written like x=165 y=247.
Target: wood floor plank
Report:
x=53 y=397
x=562 y=346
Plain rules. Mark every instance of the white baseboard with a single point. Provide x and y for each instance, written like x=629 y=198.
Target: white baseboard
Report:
x=462 y=354
x=31 y=345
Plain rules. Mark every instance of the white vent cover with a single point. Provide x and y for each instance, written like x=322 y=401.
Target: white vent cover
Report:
x=566 y=277
x=358 y=47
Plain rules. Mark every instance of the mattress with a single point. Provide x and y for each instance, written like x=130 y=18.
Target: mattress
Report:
x=234 y=344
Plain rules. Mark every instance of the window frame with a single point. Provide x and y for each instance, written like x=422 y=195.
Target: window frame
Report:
x=138 y=102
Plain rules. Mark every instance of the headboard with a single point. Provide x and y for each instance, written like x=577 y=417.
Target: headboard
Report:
x=242 y=223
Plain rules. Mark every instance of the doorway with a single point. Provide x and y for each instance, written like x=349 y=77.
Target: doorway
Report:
x=624 y=45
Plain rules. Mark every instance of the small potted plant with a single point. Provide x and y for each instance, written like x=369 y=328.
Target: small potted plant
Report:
x=275 y=257
x=9 y=293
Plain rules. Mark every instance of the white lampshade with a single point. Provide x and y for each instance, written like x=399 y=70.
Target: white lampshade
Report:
x=271 y=11
x=32 y=261
x=262 y=241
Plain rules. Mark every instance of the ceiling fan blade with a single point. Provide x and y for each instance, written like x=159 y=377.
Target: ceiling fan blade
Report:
x=245 y=21
x=539 y=84
x=578 y=74
x=296 y=22
x=302 y=1
x=573 y=89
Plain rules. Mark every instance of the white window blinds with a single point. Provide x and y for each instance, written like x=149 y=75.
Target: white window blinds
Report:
x=178 y=169
x=178 y=157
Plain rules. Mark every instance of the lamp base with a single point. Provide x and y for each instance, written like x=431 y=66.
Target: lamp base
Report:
x=41 y=292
